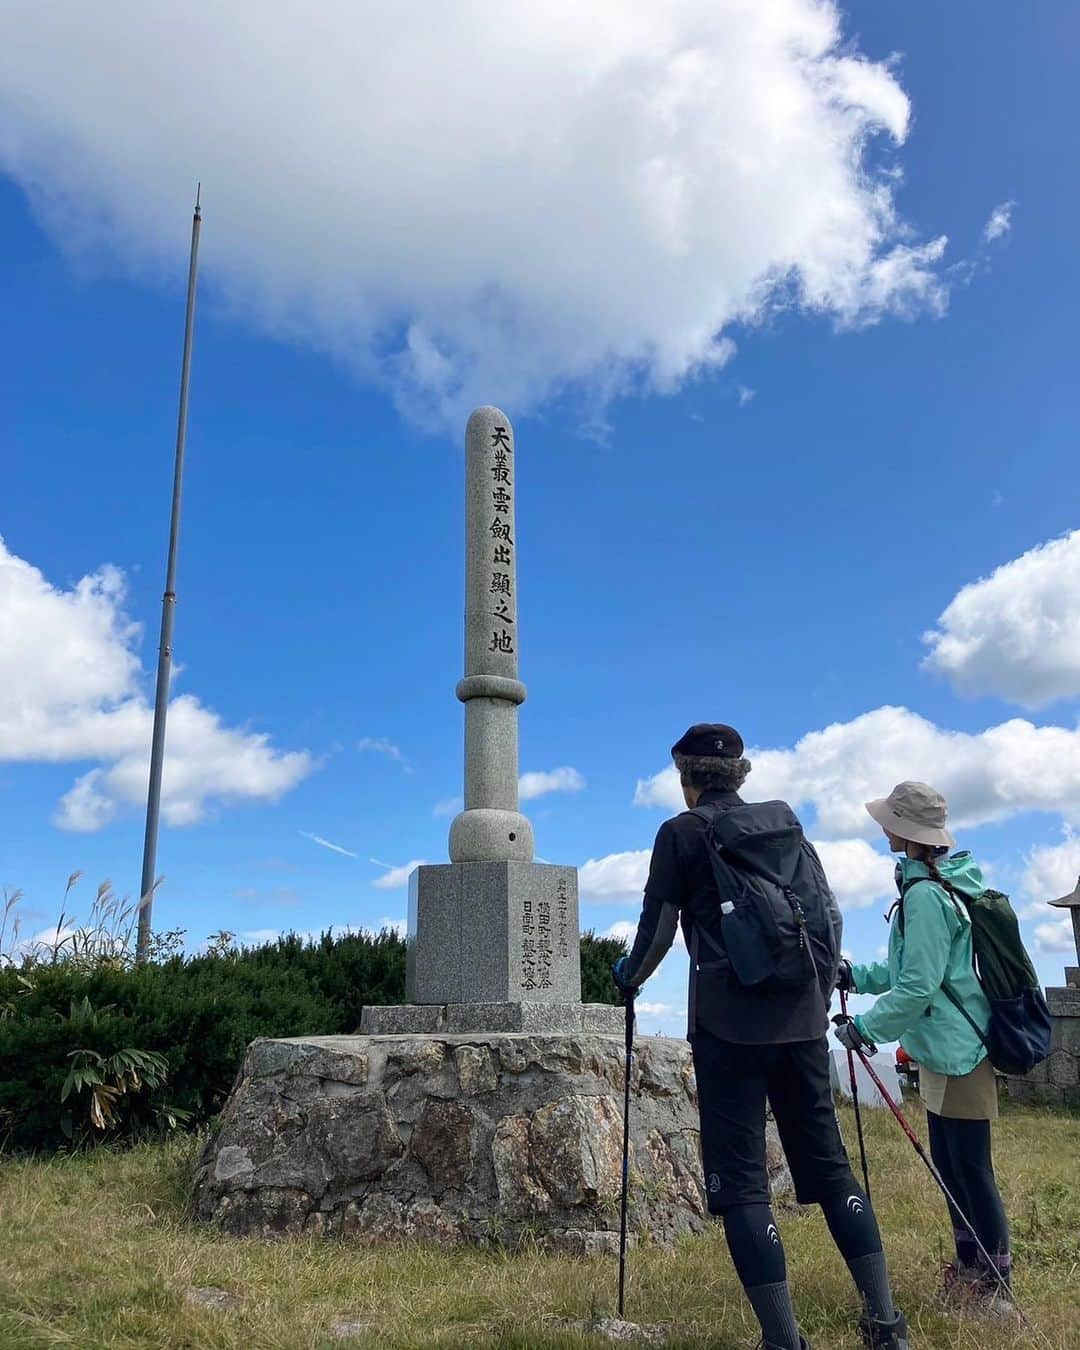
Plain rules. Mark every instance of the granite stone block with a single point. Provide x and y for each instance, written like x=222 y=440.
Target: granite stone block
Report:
x=411 y=1019
x=603 y=1018
x=1065 y=1034
x=1063 y=1002
x=493 y=932
x=560 y=1019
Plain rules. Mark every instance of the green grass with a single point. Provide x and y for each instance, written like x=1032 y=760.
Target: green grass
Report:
x=97 y=1251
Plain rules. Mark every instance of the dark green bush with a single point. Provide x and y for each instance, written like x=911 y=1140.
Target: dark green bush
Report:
x=200 y=1013
x=598 y=955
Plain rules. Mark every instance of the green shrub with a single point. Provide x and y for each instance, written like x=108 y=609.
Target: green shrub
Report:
x=598 y=955
x=199 y=1013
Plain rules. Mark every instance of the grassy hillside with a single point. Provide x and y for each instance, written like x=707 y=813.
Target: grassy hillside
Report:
x=97 y=1252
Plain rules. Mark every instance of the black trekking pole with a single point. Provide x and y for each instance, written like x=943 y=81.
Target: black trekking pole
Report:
x=932 y=1169
x=855 y=1100
x=625 y=1151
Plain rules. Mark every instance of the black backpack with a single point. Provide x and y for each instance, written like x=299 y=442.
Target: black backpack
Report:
x=773 y=925
x=1018 y=1036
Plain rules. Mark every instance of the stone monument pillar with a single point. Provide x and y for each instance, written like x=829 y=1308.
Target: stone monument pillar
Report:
x=493 y=940
x=491 y=828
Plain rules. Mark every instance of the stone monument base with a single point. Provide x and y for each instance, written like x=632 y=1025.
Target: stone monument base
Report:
x=493 y=932
x=452 y=1018
x=1057 y=1078
x=484 y=1137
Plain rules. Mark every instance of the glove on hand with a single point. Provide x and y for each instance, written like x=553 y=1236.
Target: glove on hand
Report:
x=844 y=981
x=851 y=1038
x=618 y=973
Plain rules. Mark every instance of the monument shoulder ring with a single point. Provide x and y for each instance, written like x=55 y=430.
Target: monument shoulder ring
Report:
x=490 y=686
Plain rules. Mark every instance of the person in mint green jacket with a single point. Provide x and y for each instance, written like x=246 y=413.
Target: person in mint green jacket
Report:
x=931 y=957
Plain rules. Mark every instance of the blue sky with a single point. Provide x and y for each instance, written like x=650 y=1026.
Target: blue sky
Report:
x=759 y=534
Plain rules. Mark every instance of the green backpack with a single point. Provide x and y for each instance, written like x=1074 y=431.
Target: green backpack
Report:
x=1018 y=1036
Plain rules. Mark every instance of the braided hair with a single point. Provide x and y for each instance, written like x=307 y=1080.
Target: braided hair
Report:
x=931 y=858
x=930 y=855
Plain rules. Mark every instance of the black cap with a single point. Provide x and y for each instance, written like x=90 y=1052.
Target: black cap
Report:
x=709 y=740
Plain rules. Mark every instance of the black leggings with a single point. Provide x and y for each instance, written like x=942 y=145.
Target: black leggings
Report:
x=758 y=1253
x=961 y=1152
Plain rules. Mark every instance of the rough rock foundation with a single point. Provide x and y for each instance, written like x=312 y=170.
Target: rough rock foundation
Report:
x=458 y=1138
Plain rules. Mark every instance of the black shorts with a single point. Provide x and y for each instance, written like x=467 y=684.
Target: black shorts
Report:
x=734 y=1082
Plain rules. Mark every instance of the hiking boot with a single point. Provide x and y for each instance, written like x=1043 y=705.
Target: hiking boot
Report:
x=970 y=1292
x=990 y=1301
x=885 y=1335
x=959 y=1287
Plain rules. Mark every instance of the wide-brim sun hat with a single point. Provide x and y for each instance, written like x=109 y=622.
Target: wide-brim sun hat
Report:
x=915 y=812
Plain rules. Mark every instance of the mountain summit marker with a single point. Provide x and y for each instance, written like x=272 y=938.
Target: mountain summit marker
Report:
x=493 y=940
x=489 y=1103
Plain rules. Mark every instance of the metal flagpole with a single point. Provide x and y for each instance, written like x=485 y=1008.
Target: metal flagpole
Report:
x=168 y=610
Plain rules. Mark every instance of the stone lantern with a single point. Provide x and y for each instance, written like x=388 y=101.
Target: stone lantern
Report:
x=1071 y=902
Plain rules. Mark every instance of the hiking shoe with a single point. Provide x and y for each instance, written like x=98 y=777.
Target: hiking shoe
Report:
x=969 y=1292
x=959 y=1287
x=804 y=1344
x=990 y=1301
x=885 y=1335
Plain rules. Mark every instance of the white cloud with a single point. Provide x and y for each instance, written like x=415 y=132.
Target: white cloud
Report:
x=626 y=930
x=325 y=843
x=259 y=937
x=539 y=784
x=1056 y=935
x=48 y=939
x=378 y=745
x=617 y=877
x=395 y=877
x=746 y=395
x=1051 y=871
x=987 y=777
x=1000 y=222
x=398 y=926
x=71 y=690
x=623 y=929
x=1016 y=633
x=448 y=807
x=455 y=199
x=858 y=874
x=646 y=1009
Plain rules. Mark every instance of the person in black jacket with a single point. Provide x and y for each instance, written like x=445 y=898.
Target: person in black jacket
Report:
x=751 y=1048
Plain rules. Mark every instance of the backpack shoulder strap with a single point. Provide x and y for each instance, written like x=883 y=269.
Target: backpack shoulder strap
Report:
x=950 y=994
x=946 y=886
x=946 y=987
x=708 y=813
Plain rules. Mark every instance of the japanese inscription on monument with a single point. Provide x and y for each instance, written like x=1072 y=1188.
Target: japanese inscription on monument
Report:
x=492 y=934
x=563 y=899
x=502 y=556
